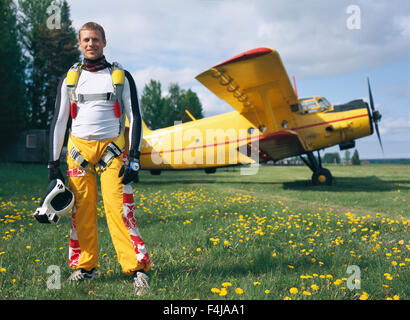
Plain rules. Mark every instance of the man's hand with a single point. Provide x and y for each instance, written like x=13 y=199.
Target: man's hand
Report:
x=129 y=171
x=54 y=171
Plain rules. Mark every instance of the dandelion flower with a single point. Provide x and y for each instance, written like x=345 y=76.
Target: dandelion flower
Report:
x=267 y=291
x=396 y=297
x=293 y=290
x=226 y=284
x=314 y=287
x=307 y=293
x=28 y=247
x=3 y=269
x=364 y=296
x=223 y=292
x=256 y=283
x=215 y=290
x=238 y=290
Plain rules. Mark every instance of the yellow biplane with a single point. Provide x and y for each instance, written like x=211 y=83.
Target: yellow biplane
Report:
x=269 y=123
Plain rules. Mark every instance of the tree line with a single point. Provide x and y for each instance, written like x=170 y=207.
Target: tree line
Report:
x=34 y=57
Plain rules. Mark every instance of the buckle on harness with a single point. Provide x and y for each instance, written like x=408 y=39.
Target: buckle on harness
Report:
x=112 y=151
x=77 y=157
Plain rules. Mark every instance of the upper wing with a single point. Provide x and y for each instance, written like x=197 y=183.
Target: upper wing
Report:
x=253 y=80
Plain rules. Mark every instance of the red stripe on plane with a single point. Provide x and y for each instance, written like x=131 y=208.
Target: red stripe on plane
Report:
x=246 y=55
x=328 y=122
x=261 y=137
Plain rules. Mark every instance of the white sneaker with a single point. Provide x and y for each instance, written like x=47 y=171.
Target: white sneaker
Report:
x=141 y=283
x=81 y=275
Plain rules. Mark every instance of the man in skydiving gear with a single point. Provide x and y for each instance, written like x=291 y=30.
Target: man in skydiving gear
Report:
x=98 y=95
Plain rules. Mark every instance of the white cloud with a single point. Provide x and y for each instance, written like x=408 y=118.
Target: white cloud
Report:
x=403 y=24
x=395 y=126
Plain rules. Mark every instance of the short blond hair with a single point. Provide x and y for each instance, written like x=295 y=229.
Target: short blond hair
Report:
x=92 y=26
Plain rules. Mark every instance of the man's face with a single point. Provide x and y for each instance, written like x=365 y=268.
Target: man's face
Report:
x=91 y=44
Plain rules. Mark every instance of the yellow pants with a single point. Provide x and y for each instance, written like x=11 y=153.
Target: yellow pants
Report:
x=119 y=209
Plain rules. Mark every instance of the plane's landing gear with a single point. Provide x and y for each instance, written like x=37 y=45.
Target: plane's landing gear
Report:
x=320 y=176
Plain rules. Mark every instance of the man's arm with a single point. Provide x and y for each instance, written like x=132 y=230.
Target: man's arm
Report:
x=57 y=130
x=59 y=123
x=130 y=169
x=133 y=112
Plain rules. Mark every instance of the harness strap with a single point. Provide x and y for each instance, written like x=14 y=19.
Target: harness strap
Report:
x=108 y=96
x=113 y=150
x=75 y=154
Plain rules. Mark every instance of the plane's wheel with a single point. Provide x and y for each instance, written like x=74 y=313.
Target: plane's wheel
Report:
x=322 y=177
x=210 y=170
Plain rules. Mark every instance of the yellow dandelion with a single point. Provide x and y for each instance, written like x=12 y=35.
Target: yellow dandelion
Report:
x=3 y=269
x=215 y=290
x=364 y=296
x=198 y=249
x=267 y=291
x=28 y=247
x=256 y=283
x=293 y=290
x=337 y=282
x=238 y=290
x=223 y=292
x=226 y=284
x=396 y=297
x=314 y=287
x=287 y=298
x=307 y=293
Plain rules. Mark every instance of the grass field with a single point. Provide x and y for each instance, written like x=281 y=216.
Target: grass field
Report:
x=225 y=236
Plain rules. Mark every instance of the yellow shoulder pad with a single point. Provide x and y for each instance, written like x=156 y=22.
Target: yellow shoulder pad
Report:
x=73 y=74
x=118 y=75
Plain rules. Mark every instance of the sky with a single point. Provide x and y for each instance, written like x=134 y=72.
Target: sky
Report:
x=331 y=46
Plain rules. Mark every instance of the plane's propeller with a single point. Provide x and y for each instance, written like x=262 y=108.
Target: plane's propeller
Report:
x=375 y=115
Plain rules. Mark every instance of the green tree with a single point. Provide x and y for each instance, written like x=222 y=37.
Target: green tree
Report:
x=51 y=52
x=160 y=112
x=332 y=157
x=355 y=158
x=152 y=104
x=12 y=76
x=347 y=156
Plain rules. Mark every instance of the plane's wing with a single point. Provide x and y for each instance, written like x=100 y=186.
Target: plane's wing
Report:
x=253 y=80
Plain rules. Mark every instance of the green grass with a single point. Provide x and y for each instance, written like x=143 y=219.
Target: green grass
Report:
x=265 y=234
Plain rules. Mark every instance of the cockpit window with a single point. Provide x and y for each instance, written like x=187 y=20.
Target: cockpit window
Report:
x=323 y=103
x=311 y=105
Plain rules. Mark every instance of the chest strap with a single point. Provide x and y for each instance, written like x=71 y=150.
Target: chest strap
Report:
x=108 y=96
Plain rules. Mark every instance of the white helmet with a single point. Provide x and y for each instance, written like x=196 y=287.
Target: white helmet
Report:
x=58 y=201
